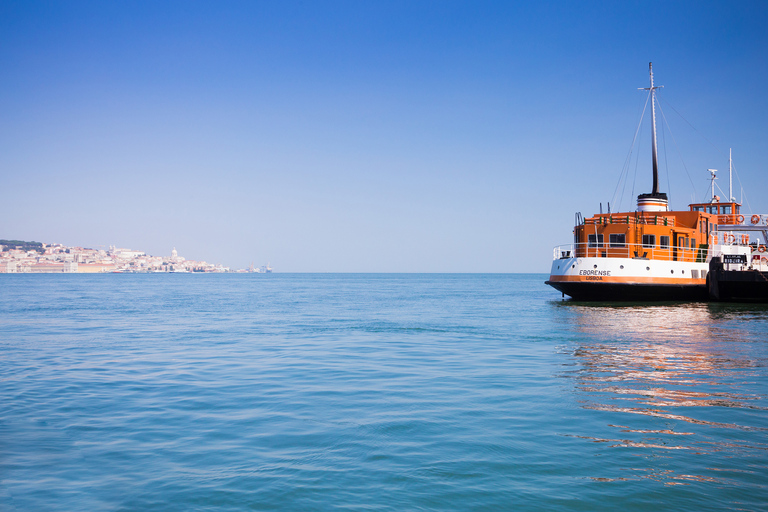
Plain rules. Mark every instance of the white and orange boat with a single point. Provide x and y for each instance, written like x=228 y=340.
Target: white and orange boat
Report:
x=654 y=253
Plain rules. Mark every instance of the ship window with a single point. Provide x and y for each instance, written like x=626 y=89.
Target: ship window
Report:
x=698 y=208
x=649 y=240
x=693 y=243
x=664 y=242
x=726 y=209
x=711 y=209
x=617 y=240
x=595 y=240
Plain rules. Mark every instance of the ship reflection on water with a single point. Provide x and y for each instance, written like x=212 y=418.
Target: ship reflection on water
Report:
x=670 y=378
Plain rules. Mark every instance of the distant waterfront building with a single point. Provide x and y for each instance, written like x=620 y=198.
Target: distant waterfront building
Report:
x=45 y=268
x=127 y=254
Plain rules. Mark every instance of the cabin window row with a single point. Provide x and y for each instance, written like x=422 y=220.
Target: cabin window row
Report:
x=725 y=209
x=614 y=240
x=649 y=241
x=684 y=242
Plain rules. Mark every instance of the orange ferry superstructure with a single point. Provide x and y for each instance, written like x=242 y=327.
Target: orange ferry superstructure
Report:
x=653 y=253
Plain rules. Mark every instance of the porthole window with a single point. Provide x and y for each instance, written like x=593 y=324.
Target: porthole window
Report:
x=594 y=266
x=622 y=267
x=647 y=268
x=672 y=271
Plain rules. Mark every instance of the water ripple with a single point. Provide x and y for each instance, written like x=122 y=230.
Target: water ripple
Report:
x=394 y=392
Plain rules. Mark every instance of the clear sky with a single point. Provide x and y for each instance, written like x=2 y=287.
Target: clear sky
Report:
x=363 y=136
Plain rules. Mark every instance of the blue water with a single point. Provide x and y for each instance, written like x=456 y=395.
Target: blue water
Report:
x=373 y=392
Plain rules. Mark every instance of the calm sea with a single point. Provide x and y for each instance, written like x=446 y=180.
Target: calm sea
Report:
x=183 y=392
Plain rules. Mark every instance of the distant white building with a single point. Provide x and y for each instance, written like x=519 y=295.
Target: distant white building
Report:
x=127 y=254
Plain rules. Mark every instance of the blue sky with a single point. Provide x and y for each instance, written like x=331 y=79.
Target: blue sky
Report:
x=365 y=136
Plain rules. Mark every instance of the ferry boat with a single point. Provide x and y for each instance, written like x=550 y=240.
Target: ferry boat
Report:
x=654 y=253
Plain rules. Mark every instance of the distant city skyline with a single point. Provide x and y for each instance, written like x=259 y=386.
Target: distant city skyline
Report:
x=367 y=136
x=31 y=256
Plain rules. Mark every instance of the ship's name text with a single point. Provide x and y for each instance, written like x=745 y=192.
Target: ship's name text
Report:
x=594 y=272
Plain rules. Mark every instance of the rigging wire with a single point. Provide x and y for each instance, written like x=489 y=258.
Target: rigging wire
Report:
x=689 y=124
x=677 y=147
x=719 y=150
x=628 y=160
x=666 y=163
x=634 y=176
x=741 y=187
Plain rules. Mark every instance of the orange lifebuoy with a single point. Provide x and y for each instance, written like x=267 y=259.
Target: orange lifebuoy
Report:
x=755 y=219
x=761 y=248
x=740 y=219
x=764 y=260
x=729 y=239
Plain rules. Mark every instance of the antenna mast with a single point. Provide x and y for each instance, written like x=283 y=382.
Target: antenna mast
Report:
x=655 y=201
x=655 y=158
x=730 y=175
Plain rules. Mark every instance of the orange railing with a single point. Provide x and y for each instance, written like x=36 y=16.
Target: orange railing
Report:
x=614 y=218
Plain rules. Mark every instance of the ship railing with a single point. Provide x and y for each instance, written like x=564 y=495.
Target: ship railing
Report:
x=738 y=219
x=727 y=238
x=735 y=219
x=632 y=219
x=700 y=253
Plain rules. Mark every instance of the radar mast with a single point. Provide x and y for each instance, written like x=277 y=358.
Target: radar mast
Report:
x=655 y=201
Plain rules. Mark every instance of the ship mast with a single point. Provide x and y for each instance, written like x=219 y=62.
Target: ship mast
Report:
x=653 y=130
x=730 y=175
x=655 y=201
